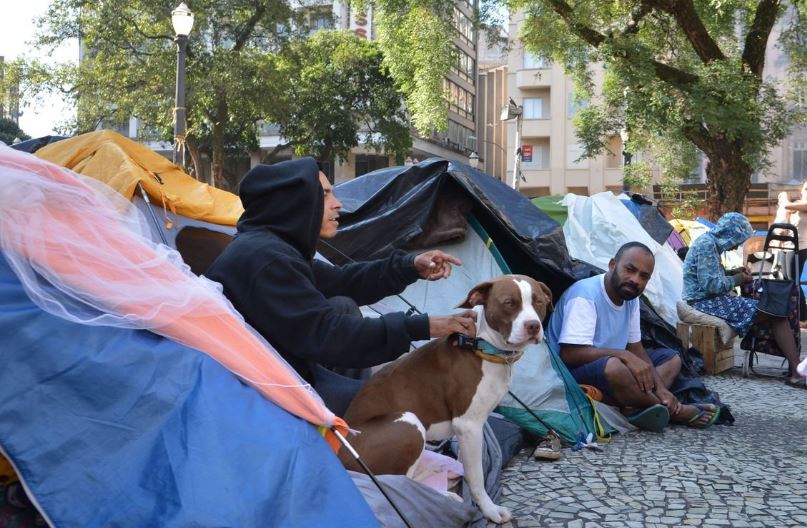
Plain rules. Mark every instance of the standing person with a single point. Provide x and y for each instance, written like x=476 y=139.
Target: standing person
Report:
x=707 y=287
x=307 y=308
x=798 y=217
x=595 y=329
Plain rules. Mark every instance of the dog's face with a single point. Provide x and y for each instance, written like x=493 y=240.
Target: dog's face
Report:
x=515 y=305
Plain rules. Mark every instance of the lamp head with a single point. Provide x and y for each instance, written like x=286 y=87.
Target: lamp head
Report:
x=473 y=160
x=182 y=20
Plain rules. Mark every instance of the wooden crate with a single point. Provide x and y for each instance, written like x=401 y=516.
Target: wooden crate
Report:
x=706 y=339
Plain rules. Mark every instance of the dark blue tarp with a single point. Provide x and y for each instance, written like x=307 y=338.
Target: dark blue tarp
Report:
x=115 y=427
x=32 y=145
x=388 y=208
x=649 y=217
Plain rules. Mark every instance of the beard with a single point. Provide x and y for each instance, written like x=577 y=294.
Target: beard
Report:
x=625 y=290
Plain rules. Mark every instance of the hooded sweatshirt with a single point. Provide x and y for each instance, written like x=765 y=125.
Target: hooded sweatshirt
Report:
x=270 y=275
x=704 y=276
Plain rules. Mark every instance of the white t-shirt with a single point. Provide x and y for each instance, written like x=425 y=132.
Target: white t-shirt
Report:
x=585 y=315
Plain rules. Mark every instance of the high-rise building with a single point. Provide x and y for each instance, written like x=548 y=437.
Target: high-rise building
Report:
x=550 y=151
x=460 y=85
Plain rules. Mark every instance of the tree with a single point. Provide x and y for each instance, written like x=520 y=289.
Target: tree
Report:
x=9 y=131
x=337 y=90
x=129 y=71
x=687 y=68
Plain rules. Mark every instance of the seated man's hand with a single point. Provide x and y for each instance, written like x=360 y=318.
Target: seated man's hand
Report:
x=434 y=265
x=742 y=277
x=641 y=370
x=669 y=400
x=443 y=325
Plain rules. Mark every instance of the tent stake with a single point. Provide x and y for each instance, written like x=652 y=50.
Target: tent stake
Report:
x=366 y=469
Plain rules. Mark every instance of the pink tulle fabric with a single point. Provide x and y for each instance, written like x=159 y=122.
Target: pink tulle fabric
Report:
x=83 y=253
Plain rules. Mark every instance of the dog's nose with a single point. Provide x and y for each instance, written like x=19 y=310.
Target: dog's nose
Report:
x=532 y=327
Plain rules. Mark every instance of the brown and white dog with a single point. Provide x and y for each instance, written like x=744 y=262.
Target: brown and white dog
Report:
x=442 y=389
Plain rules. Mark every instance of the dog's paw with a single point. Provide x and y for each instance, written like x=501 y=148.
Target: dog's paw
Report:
x=497 y=514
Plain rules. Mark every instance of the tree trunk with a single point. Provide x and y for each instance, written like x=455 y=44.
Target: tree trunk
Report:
x=196 y=159
x=728 y=178
x=217 y=163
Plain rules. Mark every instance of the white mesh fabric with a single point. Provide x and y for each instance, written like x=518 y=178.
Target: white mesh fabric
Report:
x=82 y=252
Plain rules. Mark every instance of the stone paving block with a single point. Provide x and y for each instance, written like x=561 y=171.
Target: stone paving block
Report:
x=747 y=475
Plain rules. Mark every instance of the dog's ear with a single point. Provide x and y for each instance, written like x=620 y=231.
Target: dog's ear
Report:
x=548 y=293
x=478 y=295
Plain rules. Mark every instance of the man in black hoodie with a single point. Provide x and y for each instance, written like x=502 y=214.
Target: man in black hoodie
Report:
x=297 y=302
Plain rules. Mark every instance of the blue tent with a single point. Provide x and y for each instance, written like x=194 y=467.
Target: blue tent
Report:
x=116 y=427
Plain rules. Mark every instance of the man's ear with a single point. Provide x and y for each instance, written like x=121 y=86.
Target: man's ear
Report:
x=478 y=295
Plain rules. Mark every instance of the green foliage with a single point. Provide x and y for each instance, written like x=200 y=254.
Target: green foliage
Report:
x=249 y=61
x=336 y=92
x=9 y=131
x=637 y=176
x=416 y=39
x=688 y=69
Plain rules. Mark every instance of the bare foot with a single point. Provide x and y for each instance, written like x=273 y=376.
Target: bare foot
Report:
x=688 y=412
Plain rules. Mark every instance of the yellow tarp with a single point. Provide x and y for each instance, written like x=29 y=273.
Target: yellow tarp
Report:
x=689 y=230
x=121 y=163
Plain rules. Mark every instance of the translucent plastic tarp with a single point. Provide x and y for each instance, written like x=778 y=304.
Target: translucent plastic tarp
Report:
x=598 y=226
x=83 y=253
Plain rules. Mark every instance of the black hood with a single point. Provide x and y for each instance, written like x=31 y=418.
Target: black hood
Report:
x=287 y=199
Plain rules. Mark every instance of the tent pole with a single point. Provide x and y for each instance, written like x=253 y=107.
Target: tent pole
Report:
x=151 y=212
x=549 y=430
x=366 y=469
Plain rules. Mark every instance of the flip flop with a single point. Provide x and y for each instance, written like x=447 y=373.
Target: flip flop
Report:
x=701 y=411
x=655 y=418
x=799 y=384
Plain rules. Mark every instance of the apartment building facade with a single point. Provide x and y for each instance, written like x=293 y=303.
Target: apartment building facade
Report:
x=551 y=161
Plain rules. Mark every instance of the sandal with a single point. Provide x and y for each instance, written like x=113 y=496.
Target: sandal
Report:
x=800 y=383
x=702 y=410
x=655 y=418
x=548 y=448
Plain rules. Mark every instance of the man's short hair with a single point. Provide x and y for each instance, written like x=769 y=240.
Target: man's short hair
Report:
x=631 y=245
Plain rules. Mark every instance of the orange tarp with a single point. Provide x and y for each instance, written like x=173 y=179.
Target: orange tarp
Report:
x=121 y=163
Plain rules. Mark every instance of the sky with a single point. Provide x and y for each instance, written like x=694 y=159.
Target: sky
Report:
x=17 y=29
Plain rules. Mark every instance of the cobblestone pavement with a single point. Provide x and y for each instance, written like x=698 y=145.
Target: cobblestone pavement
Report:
x=751 y=474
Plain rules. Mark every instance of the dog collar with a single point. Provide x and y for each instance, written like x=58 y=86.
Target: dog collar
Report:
x=487 y=352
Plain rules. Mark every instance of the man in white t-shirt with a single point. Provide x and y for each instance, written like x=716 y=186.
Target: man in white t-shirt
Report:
x=595 y=329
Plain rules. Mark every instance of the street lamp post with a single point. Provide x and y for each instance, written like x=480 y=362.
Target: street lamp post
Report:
x=510 y=111
x=473 y=160
x=626 y=157
x=482 y=159
x=182 y=21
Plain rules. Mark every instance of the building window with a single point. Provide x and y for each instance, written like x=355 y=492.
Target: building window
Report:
x=533 y=108
x=533 y=62
x=574 y=159
x=464 y=26
x=460 y=100
x=535 y=155
x=465 y=66
x=573 y=106
x=320 y=19
x=800 y=161
x=368 y=163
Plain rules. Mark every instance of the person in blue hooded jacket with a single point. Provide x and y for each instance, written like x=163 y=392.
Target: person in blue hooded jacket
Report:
x=306 y=308
x=707 y=287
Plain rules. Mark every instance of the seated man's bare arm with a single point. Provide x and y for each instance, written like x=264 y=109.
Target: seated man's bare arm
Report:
x=576 y=355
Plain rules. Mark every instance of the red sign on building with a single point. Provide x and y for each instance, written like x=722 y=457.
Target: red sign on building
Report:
x=526 y=153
